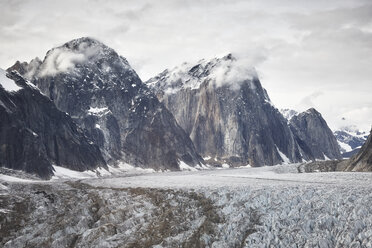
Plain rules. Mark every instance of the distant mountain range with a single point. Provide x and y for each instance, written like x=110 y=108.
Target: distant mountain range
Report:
x=350 y=140
x=362 y=161
x=84 y=107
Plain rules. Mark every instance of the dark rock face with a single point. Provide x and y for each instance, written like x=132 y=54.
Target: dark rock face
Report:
x=226 y=113
x=106 y=98
x=314 y=137
x=362 y=161
x=34 y=134
x=351 y=153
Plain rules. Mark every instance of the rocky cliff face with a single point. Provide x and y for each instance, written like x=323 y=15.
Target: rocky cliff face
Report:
x=362 y=161
x=228 y=115
x=106 y=98
x=34 y=134
x=314 y=137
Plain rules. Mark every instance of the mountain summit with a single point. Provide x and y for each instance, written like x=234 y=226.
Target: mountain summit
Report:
x=222 y=106
x=216 y=108
x=106 y=98
x=314 y=137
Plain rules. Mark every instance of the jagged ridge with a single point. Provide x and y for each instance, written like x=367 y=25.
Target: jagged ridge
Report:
x=222 y=106
x=105 y=96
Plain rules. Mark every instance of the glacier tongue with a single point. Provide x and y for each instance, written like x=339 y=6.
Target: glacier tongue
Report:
x=252 y=207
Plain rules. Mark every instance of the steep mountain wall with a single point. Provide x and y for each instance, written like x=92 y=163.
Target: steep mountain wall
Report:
x=34 y=134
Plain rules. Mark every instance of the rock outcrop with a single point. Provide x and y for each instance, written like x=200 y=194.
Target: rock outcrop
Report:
x=314 y=137
x=106 y=98
x=227 y=113
x=34 y=134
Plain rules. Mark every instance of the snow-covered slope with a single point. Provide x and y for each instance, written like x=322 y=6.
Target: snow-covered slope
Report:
x=7 y=83
x=350 y=140
x=288 y=113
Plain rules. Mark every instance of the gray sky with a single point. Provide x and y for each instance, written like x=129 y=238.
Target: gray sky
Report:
x=308 y=53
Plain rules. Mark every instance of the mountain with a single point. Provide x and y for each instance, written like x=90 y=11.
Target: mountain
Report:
x=106 y=98
x=34 y=134
x=288 y=113
x=226 y=112
x=314 y=136
x=350 y=140
x=362 y=161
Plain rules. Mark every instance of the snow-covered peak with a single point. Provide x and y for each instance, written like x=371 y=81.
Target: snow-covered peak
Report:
x=311 y=111
x=7 y=83
x=219 y=71
x=353 y=130
x=288 y=113
x=82 y=51
x=350 y=138
x=87 y=41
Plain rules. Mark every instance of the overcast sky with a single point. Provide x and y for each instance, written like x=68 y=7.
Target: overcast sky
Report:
x=308 y=53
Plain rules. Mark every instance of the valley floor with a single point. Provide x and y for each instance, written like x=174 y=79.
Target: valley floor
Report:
x=247 y=207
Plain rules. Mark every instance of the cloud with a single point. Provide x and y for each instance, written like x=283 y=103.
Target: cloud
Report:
x=356 y=117
x=233 y=72
x=62 y=59
x=308 y=101
x=297 y=47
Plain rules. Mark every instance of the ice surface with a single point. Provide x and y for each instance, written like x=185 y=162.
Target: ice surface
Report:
x=120 y=169
x=248 y=207
x=127 y=169
x=7 y=178
x=61 y=172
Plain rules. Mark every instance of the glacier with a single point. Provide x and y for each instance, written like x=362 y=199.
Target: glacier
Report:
x=271 y=206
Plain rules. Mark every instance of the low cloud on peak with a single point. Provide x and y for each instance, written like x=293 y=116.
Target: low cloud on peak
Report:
x=297 y=47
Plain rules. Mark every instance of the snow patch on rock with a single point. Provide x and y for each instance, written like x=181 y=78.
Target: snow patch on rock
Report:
x=7 y=83
x=98 y=111
x=61 y=172
x=285 y=159
x=345 y=147
x=184 y=166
